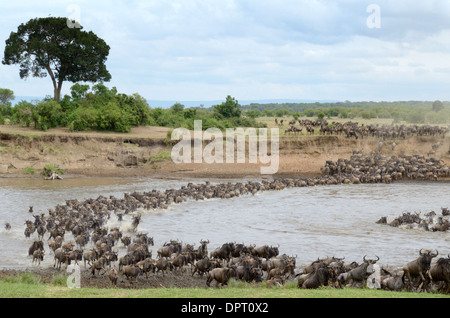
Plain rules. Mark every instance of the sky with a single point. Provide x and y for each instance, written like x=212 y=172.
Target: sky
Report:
x=194 y=50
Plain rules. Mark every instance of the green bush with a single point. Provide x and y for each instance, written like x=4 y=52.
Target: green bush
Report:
x=229 y=108
x=82 y=118
x=25 y=113
x=50 y=114
x=49 y=169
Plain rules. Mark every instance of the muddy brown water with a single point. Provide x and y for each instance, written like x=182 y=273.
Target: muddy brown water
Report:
x=306 y=222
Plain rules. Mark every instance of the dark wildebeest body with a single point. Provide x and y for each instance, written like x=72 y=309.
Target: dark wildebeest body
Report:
x=146 y=266
x=37 y=245
x=223 y=252
x=360 y=273
x=419 y=268
x=220 y=275
x=440 y=273
x=315 y=279
x=38 y=256
x=162 y=264
x=202 y=266
x=131 y=271
x=113 y=276
x=265 y=251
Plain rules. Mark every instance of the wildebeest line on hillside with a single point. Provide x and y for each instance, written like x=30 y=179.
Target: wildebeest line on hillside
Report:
x=354 y=129
x=86 y=221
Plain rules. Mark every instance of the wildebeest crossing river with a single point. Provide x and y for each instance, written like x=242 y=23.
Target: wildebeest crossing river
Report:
x=308 y=222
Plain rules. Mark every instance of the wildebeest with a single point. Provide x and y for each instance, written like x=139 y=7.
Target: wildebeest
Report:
x=286 y=265
x=38 y=256
x=315 y=279
x=37 y=245
x=419 y=268
x=239 y=249
x=223 y=252
x=203 y=249
x=169 y=248
x=360 y=273
x=136 y=221
x=392 y=281
x=126 y=240
x=127 y=259
x=98 y=265
x=76 y=255
x=265 y=251
x=90 y=256
x=162 y=264
x=202 y=266
x=178 y=261
x=113 y=276
x=131 y=271
x=248 y=273
x=440 y=273
x=61 y=256
x=220 y=275
x=146 y=266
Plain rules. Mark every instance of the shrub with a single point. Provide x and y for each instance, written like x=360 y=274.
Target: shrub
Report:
x=229 y=108
x=50 y=114
x=49 y=169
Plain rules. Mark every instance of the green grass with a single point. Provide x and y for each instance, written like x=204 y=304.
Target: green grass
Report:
x=28 y=286
x=162 y=156
x=29 y=170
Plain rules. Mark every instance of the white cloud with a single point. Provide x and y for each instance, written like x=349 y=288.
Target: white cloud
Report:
x=205 y=49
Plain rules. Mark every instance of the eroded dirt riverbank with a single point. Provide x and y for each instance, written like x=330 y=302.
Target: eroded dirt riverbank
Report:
x=145 y=153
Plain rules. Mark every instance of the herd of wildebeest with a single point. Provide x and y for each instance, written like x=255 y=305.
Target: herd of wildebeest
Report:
x=126 y=255
x=355 y=130
x=430 y=222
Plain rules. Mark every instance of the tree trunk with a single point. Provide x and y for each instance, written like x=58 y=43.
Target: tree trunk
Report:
x=56 y=86
x=58 y=90
x=57 y=94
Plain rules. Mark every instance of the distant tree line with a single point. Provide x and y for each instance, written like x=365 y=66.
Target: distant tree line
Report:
x=417 y=112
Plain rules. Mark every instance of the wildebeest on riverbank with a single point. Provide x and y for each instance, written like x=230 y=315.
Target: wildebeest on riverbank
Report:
x=87 y=222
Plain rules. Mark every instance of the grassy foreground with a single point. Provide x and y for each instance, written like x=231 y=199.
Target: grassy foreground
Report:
x=28 y=286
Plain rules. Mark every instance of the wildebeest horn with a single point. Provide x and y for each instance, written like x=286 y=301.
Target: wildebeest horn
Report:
x=420 y=252
x=377 y=258
x=434 y=255
x=364 y=258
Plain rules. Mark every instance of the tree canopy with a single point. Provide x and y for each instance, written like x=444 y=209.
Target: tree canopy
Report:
x=48 y=46
x=6 y=98
x=229 y=108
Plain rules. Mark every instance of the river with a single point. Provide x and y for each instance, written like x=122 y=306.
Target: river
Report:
x=310 y=222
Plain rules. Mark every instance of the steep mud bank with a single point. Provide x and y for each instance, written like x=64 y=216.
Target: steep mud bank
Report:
x=146 y=153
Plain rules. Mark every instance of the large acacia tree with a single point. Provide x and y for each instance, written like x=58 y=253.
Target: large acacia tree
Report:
x=48 y=46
